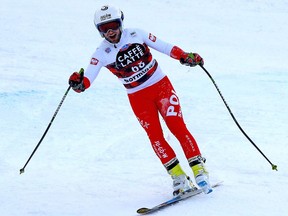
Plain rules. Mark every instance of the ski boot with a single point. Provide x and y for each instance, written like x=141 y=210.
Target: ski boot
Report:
x=181 y=182
x=200 y=173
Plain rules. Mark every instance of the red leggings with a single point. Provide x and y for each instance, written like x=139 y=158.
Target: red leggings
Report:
x=161 y=97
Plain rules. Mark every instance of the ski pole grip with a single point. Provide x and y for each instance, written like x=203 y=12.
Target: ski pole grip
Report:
x=81 y=72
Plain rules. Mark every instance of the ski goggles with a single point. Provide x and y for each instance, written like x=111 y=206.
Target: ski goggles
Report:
x=114 y=25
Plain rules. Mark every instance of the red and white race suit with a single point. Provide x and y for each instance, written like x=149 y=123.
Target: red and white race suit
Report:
x=149 y=89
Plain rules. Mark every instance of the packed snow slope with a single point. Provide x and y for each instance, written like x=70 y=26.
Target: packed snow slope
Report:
x=96 y=158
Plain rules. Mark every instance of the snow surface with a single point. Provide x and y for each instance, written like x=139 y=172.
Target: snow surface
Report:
x=96 y=159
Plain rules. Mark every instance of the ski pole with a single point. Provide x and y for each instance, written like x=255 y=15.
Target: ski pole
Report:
x=274 y=167
x=49 y=125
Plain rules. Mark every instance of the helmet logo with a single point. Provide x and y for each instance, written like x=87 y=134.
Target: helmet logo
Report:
x=105 y=17
x=105 y=7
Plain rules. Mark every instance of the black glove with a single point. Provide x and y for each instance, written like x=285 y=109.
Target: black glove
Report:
x=191 y=59
x=76 y=82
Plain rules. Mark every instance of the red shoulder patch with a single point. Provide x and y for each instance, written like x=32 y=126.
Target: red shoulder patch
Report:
x=94 y=61
x=152 y=37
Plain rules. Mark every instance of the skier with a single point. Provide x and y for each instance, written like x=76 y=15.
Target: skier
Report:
x=126 y=53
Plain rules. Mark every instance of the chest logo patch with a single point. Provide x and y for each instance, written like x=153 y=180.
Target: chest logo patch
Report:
x=129 y=54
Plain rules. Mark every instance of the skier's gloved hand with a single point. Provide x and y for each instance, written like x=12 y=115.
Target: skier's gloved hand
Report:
x=76 y=81
x=191 y=59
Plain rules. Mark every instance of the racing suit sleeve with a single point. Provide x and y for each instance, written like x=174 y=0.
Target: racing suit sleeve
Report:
x=94 y=67
x=161 y=46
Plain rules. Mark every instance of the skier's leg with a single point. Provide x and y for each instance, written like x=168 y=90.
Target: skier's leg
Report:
x=172 y=114
x=146 y=112
x=169 y=106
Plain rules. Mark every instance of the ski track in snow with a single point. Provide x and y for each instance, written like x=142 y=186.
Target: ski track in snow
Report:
x=96 y=159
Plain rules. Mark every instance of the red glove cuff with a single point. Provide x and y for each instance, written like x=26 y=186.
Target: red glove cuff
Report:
x=86 y=82
x=177 y=53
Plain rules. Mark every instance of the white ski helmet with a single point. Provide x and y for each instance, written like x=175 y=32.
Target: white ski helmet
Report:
x=107 y=14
